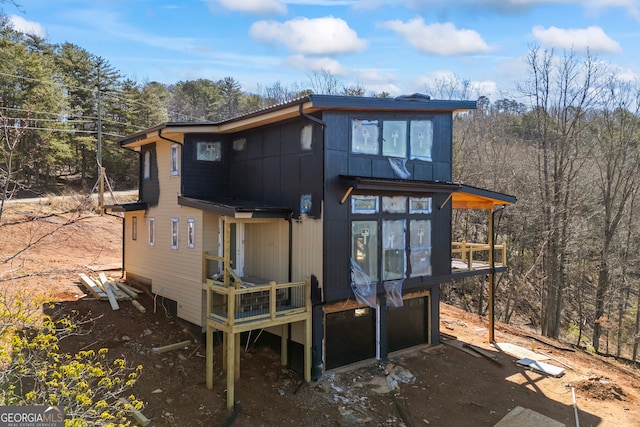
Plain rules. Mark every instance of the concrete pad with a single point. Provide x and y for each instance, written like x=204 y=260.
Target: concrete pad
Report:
x=523 y=417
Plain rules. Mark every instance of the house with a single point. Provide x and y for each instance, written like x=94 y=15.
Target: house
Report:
x=325 y=221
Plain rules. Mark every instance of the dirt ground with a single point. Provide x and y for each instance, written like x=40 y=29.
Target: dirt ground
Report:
x=434 y=386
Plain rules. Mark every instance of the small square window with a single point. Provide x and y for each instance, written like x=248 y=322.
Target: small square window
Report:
x=239 y=144
x=364 y=204
x=420 y=205
x=396 y=204
x=209 y=151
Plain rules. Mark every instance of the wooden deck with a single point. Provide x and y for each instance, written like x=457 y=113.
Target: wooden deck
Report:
x=477 y=256
x=235 y=305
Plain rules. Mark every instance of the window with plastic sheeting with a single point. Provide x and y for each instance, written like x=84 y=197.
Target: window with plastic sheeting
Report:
x=420 y=247
x=364 y=247
x=393 y=253
x=364 y=136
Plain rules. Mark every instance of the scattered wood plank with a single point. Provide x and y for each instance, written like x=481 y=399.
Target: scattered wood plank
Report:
x=139 y=306
x=92 y=287
x=137 y=415
x=483 y=353
x=127 y=290
x=555 y=359
x=519 y=352
x=451 y=337
x=460 y=346
x=171 y=347
x=112 y=298
x=541 y=367
x=550 y=344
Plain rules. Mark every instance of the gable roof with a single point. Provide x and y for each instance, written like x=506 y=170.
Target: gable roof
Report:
x=304 y=106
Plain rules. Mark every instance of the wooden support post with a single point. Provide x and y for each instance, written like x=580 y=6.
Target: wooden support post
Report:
x=209 y=357
x=283 y=345
x=236 y=367
x=225 y=336
x=491 y=280
x=231 y=351
x=272 y=299
x=226 y=263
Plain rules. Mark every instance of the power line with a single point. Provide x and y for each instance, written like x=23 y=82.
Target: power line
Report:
x=71 y=131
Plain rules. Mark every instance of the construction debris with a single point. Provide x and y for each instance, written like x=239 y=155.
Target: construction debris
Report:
x=541 y=367
x=105 y=289
x=171 y=347
x=137 y=415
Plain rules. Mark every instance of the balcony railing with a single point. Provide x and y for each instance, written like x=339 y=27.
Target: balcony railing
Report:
x=475 y=256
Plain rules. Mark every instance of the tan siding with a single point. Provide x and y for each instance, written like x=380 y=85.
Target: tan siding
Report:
x=267 y=250
x=307 y=249
x=175 y=274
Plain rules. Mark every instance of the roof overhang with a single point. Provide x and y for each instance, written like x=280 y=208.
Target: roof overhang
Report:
x=127 y=207
x=236 y=208
x=462 y=196
x=469 y=197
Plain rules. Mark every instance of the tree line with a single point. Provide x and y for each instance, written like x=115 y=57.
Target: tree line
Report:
x=566 y=144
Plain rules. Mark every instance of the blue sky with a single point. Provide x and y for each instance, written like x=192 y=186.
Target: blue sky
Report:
x=399 y=46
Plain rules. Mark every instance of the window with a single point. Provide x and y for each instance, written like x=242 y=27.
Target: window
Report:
x=364 y=204
x=239 y=144
x=147 y=164
x=191 y=233
x=396 y=204
x=421 y=139
x=364 y=246
x=420 y=205
x=394 y=139
x=420 y=247
x=209 y=151
x=152 y=231
x=393 y=253
x=174 y=233
x=364 y=137
x=174 y=160
x=134 y=228
x=306 y=137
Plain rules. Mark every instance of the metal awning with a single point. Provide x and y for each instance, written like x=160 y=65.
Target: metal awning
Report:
x=236 y=208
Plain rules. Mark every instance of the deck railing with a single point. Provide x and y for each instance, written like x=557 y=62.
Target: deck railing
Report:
x=476 y=255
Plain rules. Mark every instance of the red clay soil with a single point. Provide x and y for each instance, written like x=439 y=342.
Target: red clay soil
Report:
x=444 y=386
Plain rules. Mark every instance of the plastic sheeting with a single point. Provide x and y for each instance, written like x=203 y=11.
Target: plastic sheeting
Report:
x=393 y=293
x=399 y=167
x=363 y=288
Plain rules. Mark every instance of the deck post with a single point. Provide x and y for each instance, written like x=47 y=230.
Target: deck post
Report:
x=308 y=331
x=236 y=338
x=491 y=281
x=231 y=351
x=284 y=355
x=209 y=356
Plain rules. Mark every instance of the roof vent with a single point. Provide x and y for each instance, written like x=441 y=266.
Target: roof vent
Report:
x=413 y=97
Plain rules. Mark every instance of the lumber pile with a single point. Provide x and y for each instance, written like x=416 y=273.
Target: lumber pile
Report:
x=104 y=289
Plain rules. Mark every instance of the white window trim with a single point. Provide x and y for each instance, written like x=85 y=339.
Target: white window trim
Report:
x=174 y=160
x=191 y=233
x=175 y=222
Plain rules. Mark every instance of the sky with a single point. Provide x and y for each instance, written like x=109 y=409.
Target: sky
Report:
x=395 y=46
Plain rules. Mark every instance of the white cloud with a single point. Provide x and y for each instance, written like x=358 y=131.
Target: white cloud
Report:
x=305 y=63
x=592 y=38
x=438 y=39
x=319 y=36
x=26 y=27
x=261 y=7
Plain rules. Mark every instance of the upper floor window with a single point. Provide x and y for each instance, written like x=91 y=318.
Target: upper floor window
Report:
x=209 y=151
x=147 y=164
x=175 y=160
x=403 y=139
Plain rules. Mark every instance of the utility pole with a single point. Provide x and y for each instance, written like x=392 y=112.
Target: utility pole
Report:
x=101 y=170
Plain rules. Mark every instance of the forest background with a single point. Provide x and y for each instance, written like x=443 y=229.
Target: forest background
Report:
x=567 y=145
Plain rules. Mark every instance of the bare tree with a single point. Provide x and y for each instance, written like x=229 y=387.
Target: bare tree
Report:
x=561 y=89
x=11 y=134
